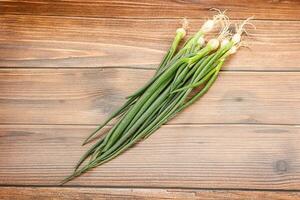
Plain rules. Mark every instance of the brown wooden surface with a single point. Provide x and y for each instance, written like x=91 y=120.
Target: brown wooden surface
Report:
x=33 y=41
x=51 y=96
x=181 y=156
x=65 y=65
x=272 y=9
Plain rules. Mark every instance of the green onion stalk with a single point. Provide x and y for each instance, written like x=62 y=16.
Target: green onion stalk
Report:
x=183 y=71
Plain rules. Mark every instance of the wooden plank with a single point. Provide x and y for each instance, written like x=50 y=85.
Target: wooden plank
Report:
x=87 y=96
x=183 y=156
x=31 y=41
x=44 y=193
x=273 y=9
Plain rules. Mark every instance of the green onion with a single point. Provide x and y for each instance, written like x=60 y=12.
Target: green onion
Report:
x=180 y=73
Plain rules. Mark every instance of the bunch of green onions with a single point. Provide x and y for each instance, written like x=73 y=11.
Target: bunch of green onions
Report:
x=184 y=75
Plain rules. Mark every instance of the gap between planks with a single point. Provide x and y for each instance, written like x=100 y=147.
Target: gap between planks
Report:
x=140 y=68
x=142 y=18
x=29 y=193
x=69 y=186
x=165 y=125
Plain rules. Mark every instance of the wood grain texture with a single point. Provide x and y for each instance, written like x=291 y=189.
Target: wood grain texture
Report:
x=206 y=156
x=88 y=96
x=32 y=41
x=273 y=9
x=67 y=64
x=44 y=193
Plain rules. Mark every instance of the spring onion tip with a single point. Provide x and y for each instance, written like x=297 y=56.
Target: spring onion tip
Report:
x=213 y=44
x=201 y=41
x=224 y=32
x=236 y=38
x=181 y=31
x=241 y=29
x=233 y=50
x=224 y=42
x=208 y=26
x=185 y=23
x=219 y=18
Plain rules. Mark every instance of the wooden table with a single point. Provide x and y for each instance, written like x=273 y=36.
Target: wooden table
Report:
x=65 y=65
